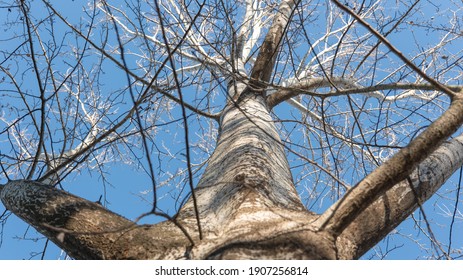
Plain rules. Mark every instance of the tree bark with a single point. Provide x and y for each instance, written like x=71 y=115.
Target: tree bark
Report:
x=248 y=206
x=85 y=229
x=387 y=212
x=247 y=202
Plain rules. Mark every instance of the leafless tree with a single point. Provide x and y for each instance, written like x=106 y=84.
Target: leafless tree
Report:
x=266 y=129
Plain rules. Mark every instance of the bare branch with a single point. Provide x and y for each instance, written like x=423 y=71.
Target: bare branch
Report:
x=390 y=209
x=347 y=87
x=396 y=169
x=265 y=61
x=150 y=84
x=386 y=42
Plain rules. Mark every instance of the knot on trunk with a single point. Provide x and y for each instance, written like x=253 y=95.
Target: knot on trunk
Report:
x=251 y=179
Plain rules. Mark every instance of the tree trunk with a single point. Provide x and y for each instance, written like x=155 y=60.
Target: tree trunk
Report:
x=247 y=203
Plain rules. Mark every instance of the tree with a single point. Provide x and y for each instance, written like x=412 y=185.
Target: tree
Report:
x=281 y=129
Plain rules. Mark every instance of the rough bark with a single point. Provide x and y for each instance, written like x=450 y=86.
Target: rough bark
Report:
x=385 y=214
x=248 y=206
x=394 y=170
x=85 y=229
x=247 y=195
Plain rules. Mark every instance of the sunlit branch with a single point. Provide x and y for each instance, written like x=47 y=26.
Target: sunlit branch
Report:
x=386 y=42
x=249 y=31
x=327 y=51
x=133 y=75
x=349 y=87
x=203 y=59
x=397 y=168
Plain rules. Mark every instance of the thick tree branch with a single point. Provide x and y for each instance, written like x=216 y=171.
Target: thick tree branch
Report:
x=389 y=210
x=85 y=229
x=396 y=169
x=265 y=62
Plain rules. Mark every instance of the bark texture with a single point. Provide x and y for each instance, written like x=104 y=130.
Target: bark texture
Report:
x=247 y=195
x=248 y=206
x=85 y=229
x=385 y=214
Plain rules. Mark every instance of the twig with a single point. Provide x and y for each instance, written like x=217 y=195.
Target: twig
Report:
x=386 y=42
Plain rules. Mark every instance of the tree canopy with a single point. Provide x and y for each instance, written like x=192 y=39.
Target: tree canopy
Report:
x=122 y=102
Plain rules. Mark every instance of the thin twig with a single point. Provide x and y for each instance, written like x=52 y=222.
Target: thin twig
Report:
x=386 y=42
x=170 y=53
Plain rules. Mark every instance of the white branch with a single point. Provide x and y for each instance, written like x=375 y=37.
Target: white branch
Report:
x=205 y=59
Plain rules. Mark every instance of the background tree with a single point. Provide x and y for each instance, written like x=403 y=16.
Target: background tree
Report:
x=263 y=129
